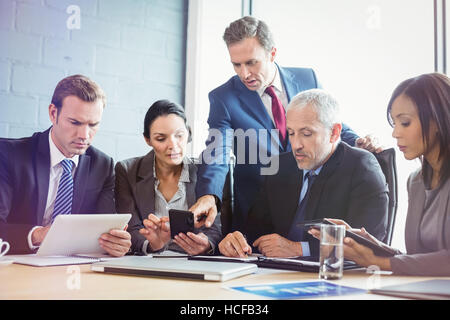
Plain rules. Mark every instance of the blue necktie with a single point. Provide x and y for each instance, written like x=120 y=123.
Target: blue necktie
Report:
x=296 y=233
x=64 y=195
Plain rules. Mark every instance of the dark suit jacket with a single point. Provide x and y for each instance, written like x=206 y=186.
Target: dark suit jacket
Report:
x=135 y=194
x=24 y=180
x=234 y=107
x=350 y=186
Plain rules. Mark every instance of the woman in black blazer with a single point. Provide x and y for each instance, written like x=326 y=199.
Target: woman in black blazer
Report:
x=163 y=179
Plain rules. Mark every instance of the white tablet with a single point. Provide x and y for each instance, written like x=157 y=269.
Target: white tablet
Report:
x=79 y=233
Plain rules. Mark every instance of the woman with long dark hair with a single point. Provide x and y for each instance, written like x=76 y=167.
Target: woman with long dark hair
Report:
x=419 y=112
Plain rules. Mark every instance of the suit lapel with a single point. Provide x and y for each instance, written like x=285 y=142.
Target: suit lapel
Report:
x=292 y=87
x=42 y=170
x=319 y=184
x=190 y=187
x=145 y=186
x=416 y=202
x=443 y=220
x=291 y=193
x=252 y=104
x=287 y=78
x=446 y=216
x=80 y=183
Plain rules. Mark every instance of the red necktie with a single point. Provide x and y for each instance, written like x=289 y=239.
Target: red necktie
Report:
x=278 y=113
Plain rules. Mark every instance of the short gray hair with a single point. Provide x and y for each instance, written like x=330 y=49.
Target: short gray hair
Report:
x=325 y=105
x=249 y=27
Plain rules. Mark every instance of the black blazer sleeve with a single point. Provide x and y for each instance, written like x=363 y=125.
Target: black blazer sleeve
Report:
x=125 y=203
x=368 y=198
x=357 y=195
x=105 y=202
x=13 y=229
x=259 y=220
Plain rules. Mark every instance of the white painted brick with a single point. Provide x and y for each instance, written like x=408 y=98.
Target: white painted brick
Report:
x=87 y=7
x=143 y=40
x=97 y=32
x=4 y=75
x=69 y=56
x=43 y=117
x=173 y=93
x=165 y=20
x=131 y=146
x=35 y=2
x=115 y=39
x=6 y=14
x=109 y=86
x=35 y=80
x=4 y=130
x=143 y=94
x=106 y=143
x=115 y=62
x=18 y=109
x=175 y=47
x=21 y=131
x=119 y=119
x=179 y=5
x=20 y=47
x=137 y=94
x=163 y=70
x=115 y=10
x=41 y=20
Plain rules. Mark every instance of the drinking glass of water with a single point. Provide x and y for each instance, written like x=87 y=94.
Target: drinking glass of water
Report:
x=331 y=251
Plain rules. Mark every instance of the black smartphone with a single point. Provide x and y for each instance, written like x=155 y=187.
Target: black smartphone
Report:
x=180 y=221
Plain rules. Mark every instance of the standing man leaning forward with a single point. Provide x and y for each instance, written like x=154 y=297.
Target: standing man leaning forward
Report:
x=321 y=178
x=58 y=171
x=254 y=101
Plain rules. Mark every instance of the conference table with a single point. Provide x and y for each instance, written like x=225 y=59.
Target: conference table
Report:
x=79 y=282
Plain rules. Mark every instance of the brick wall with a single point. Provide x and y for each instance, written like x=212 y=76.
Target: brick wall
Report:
x=135 y=50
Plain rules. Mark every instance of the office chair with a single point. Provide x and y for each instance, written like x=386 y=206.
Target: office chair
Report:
x=227 y=205
x=386 y=159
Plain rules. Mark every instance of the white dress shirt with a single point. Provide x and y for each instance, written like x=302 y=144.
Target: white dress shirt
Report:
x=279 y=90
x=56 y=171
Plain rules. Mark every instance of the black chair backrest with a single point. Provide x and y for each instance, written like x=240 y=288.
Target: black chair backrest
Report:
x=226 y=211
x=386 y=159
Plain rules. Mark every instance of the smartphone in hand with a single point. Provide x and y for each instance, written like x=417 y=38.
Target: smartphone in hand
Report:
x=181 y=221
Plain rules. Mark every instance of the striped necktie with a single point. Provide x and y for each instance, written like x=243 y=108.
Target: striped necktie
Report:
x=64 y=195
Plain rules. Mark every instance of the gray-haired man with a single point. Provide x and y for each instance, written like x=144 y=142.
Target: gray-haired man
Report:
x=321 y=178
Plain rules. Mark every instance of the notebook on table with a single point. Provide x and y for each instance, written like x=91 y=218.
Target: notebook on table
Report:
x=437 y=289
x=176 y=267
x=304 y=264
x=73 y=239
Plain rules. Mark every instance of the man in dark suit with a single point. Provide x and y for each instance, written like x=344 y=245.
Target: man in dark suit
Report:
x=321 y=178
x=58 y=171
x=247 y=114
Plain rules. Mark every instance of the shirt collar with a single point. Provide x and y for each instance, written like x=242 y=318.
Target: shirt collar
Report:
x=276 y=83
x=56 y=156
x=315 y=172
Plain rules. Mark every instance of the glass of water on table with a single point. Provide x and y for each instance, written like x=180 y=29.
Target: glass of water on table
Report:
x=331 y=251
